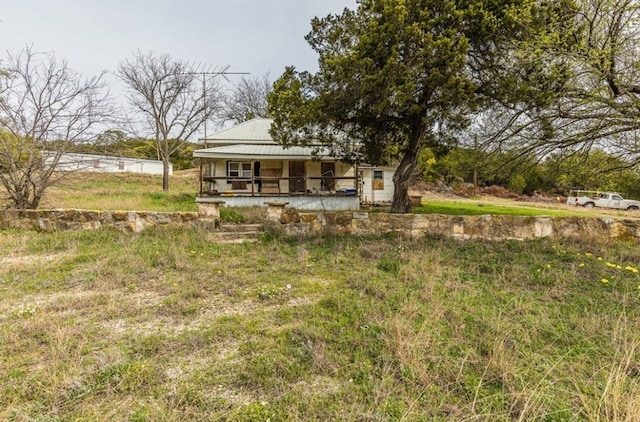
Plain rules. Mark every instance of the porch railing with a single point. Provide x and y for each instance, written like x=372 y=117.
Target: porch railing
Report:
x=253 y=183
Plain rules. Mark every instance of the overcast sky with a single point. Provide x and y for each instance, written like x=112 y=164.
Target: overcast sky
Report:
x=256 y=36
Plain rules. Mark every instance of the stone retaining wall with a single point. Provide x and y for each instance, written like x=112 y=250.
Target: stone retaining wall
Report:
x=492 y=227
x=54 y=220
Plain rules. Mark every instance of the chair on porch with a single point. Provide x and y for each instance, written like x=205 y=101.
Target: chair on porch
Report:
x=271 y=186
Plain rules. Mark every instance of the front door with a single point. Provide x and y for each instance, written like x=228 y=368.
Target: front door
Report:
x=296 y=173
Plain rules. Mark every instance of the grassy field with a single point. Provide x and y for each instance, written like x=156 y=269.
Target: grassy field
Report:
x=119 y=191
x=489 y=206
x=166 y=326
x=142 y=192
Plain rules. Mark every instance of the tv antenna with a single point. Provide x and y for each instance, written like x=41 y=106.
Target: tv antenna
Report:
x=209 y=71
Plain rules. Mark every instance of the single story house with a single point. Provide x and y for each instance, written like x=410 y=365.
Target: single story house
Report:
x=105 y=164
x=243 y=166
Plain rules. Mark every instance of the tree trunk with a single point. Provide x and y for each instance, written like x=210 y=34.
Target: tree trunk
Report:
x=404 y=173
x=165 y=174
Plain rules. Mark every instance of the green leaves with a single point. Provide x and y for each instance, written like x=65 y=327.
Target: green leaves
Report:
x=396 y=75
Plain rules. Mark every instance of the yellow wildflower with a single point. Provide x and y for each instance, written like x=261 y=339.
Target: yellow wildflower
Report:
x=605 y=281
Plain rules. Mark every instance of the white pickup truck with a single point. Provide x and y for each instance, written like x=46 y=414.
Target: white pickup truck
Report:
x=591 y=199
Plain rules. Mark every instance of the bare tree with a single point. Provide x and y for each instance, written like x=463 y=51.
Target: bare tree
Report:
x=173 y=101
x=248 y=99
x=46 y=110
x=595 y=102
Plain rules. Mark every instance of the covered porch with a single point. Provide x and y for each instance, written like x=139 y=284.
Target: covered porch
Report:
x=254 y=175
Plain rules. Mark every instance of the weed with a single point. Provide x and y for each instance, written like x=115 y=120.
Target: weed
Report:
x=271 y=291
x=229 y=215
x=25 y=310
x=256 y=412
x=163 y=325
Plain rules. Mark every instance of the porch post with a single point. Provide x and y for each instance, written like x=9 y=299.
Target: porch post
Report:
x=355 y=180
x=201 y=182
x=253 y=188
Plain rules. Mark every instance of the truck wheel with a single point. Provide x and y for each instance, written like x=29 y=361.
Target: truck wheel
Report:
x=589 y=205
x=632 y=208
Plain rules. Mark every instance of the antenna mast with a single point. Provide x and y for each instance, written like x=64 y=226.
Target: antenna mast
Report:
x=212 y=72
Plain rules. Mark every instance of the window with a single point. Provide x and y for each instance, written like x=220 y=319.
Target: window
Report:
x=378 y=180
x=239 y=169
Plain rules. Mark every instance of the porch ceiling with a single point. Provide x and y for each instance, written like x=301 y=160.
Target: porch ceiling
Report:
x=262 y=152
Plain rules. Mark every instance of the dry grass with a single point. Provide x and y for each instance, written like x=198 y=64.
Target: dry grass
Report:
x=165 y=325
x=124 y=191
x=127 y=191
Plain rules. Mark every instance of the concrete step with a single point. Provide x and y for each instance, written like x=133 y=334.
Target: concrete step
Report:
x=231 y=228
x=236 y=233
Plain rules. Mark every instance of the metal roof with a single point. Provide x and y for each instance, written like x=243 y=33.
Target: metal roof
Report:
x=263 y=152
x=254 y=131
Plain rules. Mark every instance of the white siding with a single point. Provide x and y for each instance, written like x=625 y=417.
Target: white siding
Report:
x=345 y=170
x=313 y=169
x=371 y=195
x=106 y=164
